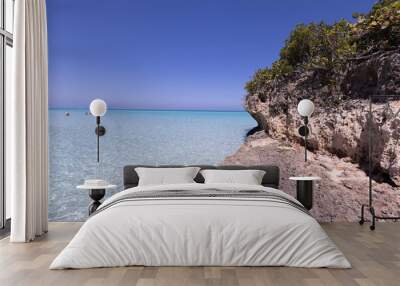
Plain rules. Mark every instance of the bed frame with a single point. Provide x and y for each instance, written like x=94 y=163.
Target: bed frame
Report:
x=271 y=177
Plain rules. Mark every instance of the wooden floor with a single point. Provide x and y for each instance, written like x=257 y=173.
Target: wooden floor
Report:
x=375 y=257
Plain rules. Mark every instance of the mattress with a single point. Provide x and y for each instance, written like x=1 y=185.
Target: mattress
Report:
x=201 y=225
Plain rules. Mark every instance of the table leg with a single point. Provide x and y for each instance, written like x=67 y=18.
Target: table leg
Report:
x=96 y=195
x=305 y=193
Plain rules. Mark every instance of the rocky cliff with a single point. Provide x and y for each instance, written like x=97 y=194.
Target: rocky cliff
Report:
x=339 y=125
x=338 y=67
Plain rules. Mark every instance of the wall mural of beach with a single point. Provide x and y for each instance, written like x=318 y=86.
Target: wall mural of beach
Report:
x=191 y=97
x=133 y=137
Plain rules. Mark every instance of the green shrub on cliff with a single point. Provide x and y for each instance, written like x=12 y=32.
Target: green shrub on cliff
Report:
x=260 y=79
x=263 y=76
x=379 y=29
x=318 y=45
x=313 y=46
x=328 y=47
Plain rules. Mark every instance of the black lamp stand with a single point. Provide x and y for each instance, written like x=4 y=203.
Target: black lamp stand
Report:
x=304 y=131
x=100 y=131
x=370 y=205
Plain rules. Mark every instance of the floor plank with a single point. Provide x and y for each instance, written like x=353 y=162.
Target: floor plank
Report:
x=375 y=257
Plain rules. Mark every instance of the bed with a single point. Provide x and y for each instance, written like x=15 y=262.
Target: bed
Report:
x=198 y=224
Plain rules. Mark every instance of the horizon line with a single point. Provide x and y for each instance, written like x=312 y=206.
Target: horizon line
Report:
x=147 y=109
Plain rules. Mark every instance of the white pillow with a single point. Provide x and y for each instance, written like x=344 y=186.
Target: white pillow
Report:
x=165 y=176
x=248 y=177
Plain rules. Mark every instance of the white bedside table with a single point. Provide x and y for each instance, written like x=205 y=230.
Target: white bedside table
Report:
x=96 y=193
x=304 y=190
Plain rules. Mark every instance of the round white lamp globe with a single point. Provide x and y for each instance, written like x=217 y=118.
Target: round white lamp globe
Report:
x=305 y=107
x=98 y=107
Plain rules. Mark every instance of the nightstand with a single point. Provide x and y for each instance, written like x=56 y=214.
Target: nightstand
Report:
x=304 y=190
x=96 y=193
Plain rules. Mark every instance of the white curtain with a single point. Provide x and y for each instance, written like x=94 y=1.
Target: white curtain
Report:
x=27 y=119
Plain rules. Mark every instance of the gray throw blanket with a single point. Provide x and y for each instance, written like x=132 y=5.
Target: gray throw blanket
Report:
x=206 y=194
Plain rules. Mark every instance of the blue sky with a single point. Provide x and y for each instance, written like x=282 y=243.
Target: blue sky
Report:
x=171 y=54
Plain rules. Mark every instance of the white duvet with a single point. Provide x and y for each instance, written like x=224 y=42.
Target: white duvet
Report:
x=200 y=231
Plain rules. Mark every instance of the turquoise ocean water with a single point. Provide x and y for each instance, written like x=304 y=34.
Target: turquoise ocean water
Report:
x=132 y=137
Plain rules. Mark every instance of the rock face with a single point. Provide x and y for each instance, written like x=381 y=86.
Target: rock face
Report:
x=340 y=193
x=339 y=125
x=339 y=139
x=376 y=74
